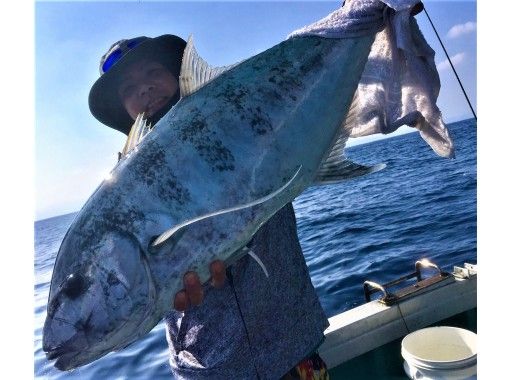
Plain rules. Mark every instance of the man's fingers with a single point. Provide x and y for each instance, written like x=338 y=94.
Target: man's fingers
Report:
x=193 y=288
x=193 y=293
x=218 y=273
x=181 y=302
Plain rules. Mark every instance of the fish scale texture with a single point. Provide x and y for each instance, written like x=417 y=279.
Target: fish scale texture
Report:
x=213 y=342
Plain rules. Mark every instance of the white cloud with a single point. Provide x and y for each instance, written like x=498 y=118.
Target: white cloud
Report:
x=461 y=29
x=457 y=59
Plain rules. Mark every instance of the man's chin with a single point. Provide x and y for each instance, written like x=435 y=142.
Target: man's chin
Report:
x=154 y=118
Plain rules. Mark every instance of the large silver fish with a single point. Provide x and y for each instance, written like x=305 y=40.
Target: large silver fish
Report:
x=226 y=157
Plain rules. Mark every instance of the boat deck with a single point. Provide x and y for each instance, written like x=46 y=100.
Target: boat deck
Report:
x=365 y=342
x=386 y=362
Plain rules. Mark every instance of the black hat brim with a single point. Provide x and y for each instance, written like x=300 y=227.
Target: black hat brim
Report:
x=104 y=101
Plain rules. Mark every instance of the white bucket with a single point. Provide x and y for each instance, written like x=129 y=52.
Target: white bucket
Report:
x=440 y=353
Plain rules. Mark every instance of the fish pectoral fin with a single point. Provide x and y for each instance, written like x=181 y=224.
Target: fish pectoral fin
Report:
x=257 y=259
x=179 y=227
x=195 y=71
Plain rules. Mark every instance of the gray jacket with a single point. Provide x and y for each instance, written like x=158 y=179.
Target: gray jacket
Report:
x=253 y=327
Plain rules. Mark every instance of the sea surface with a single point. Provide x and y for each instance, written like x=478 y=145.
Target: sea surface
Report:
x=371 y=228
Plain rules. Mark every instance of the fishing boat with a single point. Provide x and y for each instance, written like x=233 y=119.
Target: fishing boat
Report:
x=365 y=342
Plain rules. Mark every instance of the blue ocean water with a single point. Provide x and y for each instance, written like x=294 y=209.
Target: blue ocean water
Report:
x=370 y=228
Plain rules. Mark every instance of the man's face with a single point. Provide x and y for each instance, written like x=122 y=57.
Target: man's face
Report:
x=146 y=86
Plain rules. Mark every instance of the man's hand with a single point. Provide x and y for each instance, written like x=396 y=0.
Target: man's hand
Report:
x=193 y=294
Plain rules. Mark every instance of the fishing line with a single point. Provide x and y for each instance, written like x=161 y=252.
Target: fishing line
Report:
x=403 y=319
x=451 y=63
x=230 y=277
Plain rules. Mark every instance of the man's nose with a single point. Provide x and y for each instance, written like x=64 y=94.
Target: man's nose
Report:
x=145 y=88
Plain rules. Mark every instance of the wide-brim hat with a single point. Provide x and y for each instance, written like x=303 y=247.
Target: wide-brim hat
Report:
x=104 y=101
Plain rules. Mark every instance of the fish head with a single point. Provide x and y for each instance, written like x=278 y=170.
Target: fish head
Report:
x=101 y=298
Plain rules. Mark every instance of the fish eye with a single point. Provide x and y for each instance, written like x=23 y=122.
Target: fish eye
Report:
x=74 y=285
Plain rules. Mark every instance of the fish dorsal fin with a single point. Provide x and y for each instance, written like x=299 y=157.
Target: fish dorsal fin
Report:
x=195 y=71
x=138 y=131
x=335 y=167
x=175 y=230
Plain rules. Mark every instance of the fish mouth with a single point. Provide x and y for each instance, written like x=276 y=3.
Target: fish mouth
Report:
x=76 y=351
x=65 y=358
x=72 y=353
x=68 y=353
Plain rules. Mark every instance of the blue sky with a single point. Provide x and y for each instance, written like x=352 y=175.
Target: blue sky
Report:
x=73 y=151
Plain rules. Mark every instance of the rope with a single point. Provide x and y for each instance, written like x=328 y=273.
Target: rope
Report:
x=451 y=64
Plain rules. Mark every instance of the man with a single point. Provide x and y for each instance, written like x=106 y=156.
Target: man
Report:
x=240 y=324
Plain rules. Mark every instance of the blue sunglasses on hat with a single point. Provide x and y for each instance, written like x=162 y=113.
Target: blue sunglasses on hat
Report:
x=119 y=50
